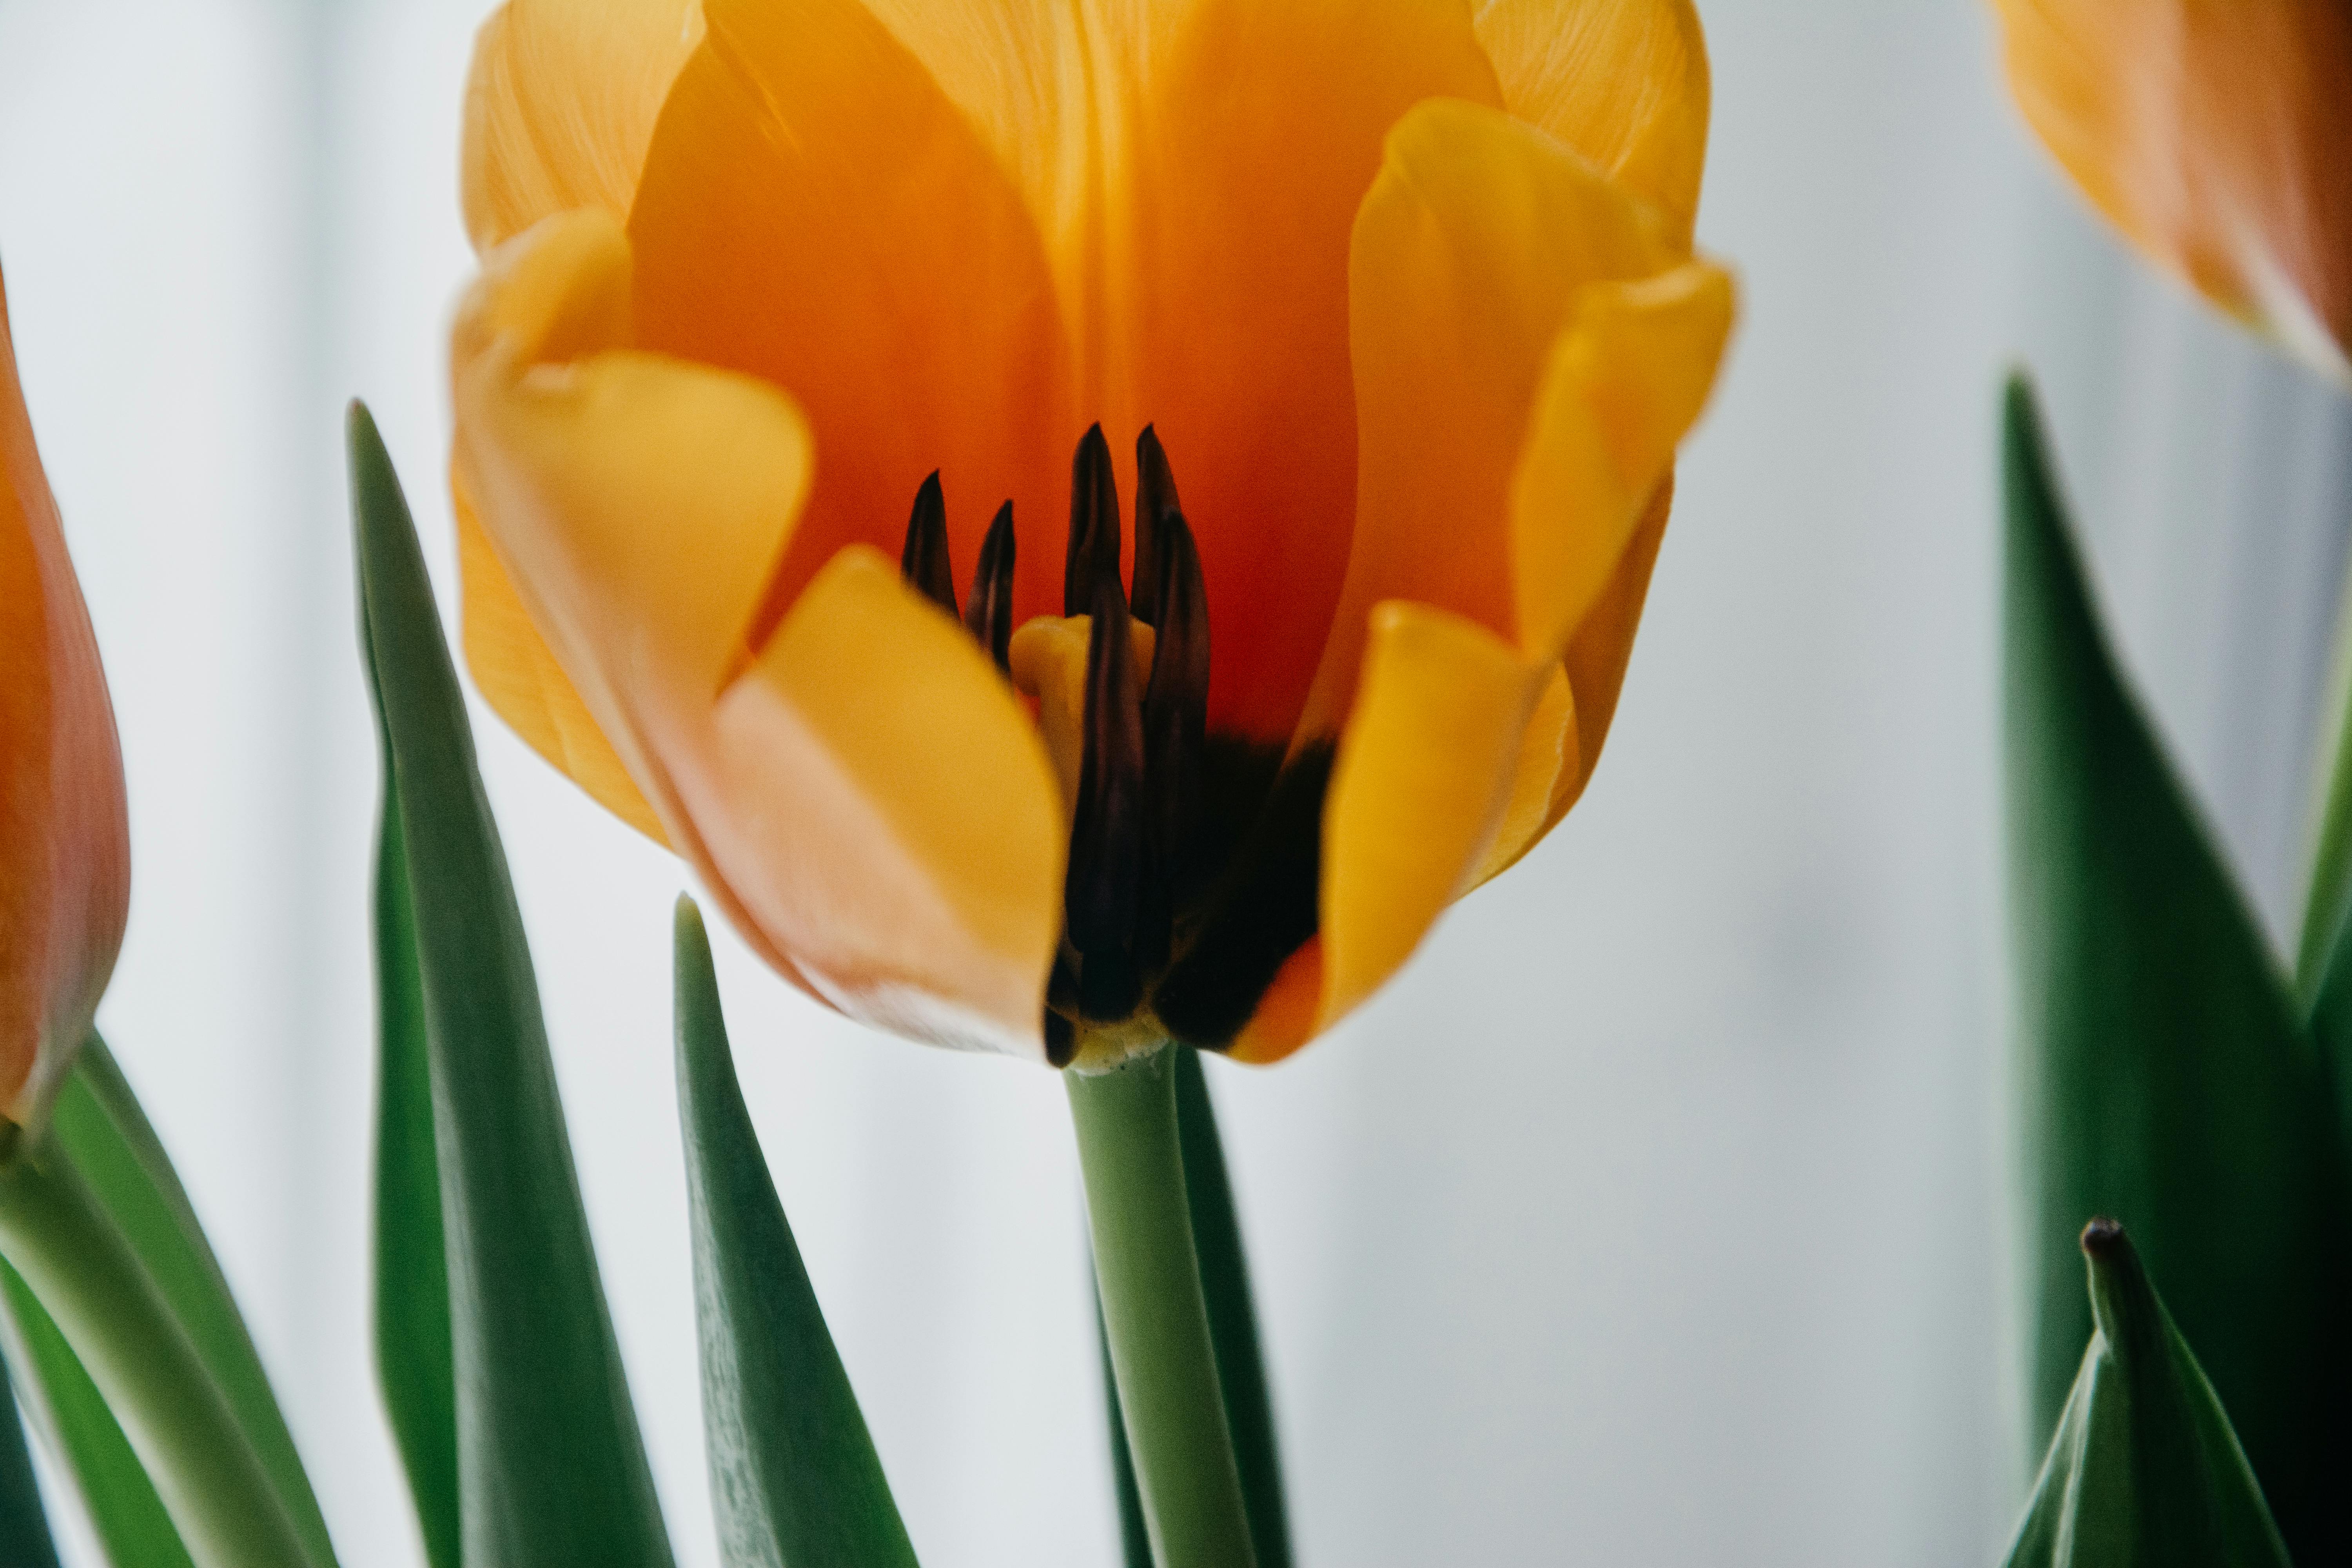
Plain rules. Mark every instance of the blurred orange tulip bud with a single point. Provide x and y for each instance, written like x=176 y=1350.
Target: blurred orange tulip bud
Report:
x=65 y=851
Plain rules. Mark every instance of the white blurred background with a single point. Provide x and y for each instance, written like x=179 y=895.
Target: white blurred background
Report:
x=1656 y=1216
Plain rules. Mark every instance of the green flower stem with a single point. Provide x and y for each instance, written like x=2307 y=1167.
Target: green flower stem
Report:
x=91 y=1283
x=1155 y=1315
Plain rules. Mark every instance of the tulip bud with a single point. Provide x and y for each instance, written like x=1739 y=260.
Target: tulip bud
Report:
x=65 y=853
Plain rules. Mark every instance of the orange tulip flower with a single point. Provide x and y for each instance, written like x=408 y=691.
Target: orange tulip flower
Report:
x=2216 y=136
x=64 y=840
x=791 y=317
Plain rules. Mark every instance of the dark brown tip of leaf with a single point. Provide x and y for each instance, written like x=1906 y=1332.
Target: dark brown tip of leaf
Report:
x=1155 y=498
x=924 y=561
x=988 y=614
x=2104 y=1238
x=1093 y=548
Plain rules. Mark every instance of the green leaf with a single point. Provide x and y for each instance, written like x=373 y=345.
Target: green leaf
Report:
x=24 y=1523
x=1233 y=1319
x=103 y=1130
x=2144 y=1471
x=793 y=1474
x=2166 y=1080
x=124 y=1509
x=1134 y=1532
x=414 y=1359
x=552 y=1468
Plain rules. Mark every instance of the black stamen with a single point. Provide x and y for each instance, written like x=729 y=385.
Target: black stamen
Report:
x=988 y=615
x=1061 y=1040
x=1107 y=844
x=1093 y=548
x=1155 y=498
x=924 y=562
x=1176 y=709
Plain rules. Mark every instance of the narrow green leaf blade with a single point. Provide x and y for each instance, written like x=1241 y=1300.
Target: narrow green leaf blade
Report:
x=24 y=1540
x=124 y=1509
x=793 y=1474
x=99 y=1124
x=2166 y=1080
x=414 y=1359
x=1232 y=1316
x=2144 y=1470
x=551 y=1466
x=1134 y=1531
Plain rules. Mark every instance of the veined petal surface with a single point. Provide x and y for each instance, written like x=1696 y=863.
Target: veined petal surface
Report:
x=1624 y=82
x=560 y=104
x=815 y=212
x=65 y=850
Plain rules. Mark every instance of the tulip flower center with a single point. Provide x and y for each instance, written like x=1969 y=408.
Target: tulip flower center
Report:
x=1151 y=795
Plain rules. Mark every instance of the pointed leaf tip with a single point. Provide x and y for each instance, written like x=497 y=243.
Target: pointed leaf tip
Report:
x=552 y=1471
x=794 y=1479
x=2163 y=1073
x=2144 y=1470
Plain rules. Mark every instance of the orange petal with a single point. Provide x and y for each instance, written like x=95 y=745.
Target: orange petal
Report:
x=1471 y=258
x=560 y=104
x=961 y=233
x=815 y=212
x=65 y=850
x=878 y=800
x=1425 y=775
x=1626 y=381
x=1227 y=309
x=2216 y=137
x=1284 y=1019
x=1624 y=82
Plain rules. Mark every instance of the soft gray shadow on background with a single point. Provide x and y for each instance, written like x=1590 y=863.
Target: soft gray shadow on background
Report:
x=1654 y=1217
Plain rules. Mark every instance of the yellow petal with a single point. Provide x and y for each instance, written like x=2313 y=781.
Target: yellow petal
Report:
x=1625 y=381
x=65 y=850
x=1471 y=258
x=1603 y=645
x=817 y=213
x=1547 y=755
x=1571 y=721
x=634 y=505
x=560 y=105
x=1624 y=82
x=1425 y=772
x=524 y=685
x=878 y=800
x=2216 y=136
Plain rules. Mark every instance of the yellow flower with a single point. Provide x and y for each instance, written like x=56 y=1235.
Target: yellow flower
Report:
x=1398 y=304
x=2216 y=134
x=65 y=850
